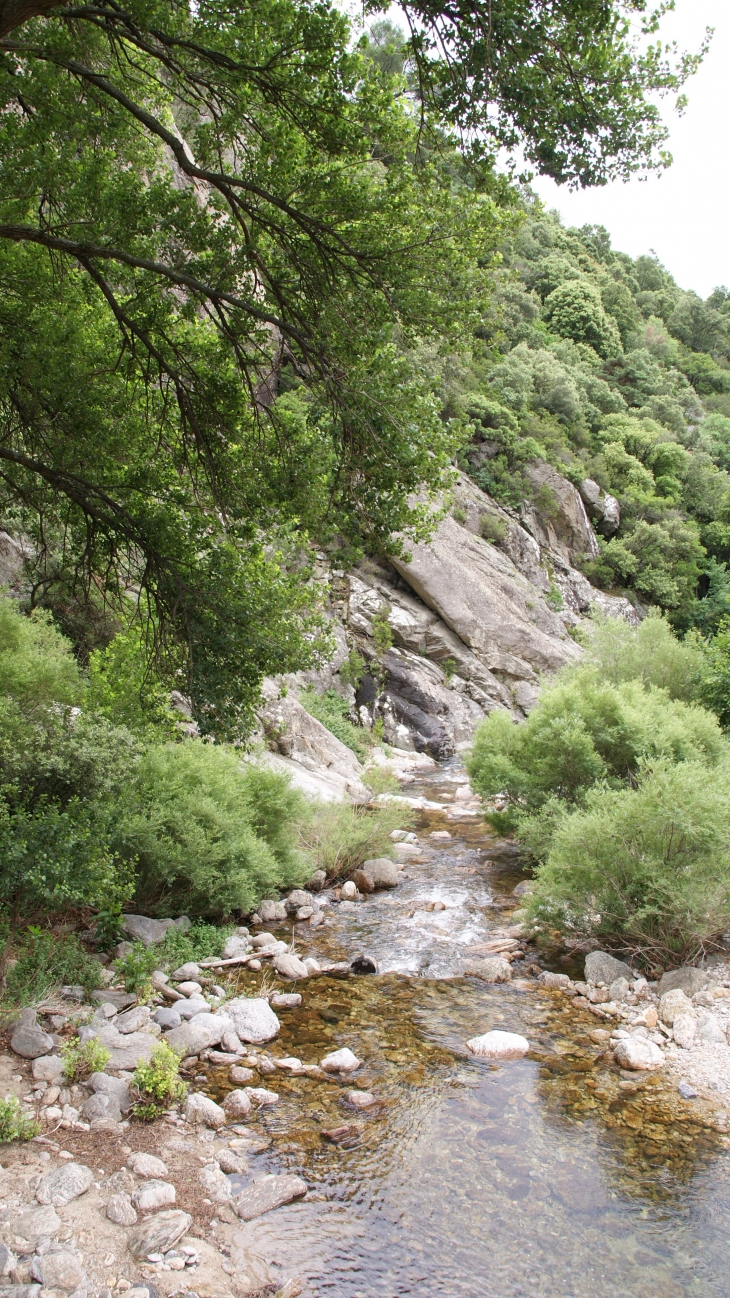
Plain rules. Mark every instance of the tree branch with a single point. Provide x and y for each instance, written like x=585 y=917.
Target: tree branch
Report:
x=13 y=13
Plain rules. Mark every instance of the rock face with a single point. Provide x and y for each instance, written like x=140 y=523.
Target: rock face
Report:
x=305 y=746
x=499 y=1045
x=562 y=525
x=253 y=1019
x=600 y=967
x=268 y=1193
x=603 y=509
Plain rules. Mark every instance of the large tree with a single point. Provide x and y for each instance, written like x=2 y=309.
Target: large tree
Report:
x=219 y=224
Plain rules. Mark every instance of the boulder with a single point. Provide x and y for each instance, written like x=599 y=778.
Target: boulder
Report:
x=120 y=1000
x=191 y=1007
x=237 y=1104
x=638 y=1054
x=190 y=989
x=362 y=882
x=238 y=1075
x=290 y=966
x=28 y=1039
x=117 y=1087
x=348 y=891
x=673 y=1003
x=297 y=898
x=119 y=1210
x=600 y=967
x=382 y=872
x=146 y=1165
x=147 y=931
x=126 y=1050
x=499 y=1045
x=102 y=1106
x=340 y=1061
x=159 y=1233
x=235 y=946
x=317 y=882
x=63 y=1184
x=152 y=1195
x=7 y=1260
x=47 y=1068
x=554 y=980
x=495 y=969
x=359 y=1099
x=202 y=1110
x=268 y=1193
x=564 y=529
x=272 y=912
x=133 y=1020
x=603 y=509
x=261 y=1097
x=202 y=1032
x=687 y=979
x=709 y=1030
x=167 y=1017
x=215 y=1183
x=619 y=989
x=253 y=1019
x=188 y=970
x=685 y=1030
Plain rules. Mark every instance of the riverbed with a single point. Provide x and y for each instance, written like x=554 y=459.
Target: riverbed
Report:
x=552 y=1175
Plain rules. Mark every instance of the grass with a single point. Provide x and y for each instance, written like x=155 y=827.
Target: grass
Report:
x=46 y=960
x=339 y=837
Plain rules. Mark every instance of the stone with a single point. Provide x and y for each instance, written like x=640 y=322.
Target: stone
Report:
x=686 y=1091
x=261 y=1097
x=117 y=1087
x=63 y=1184
x=186 y=971
x=133 y=1020
x=122 y=1000
x=554 y=980
x=263 y=940
x=317 y=882
x=619 y=989
x=685 y=1029
x=268 y=1193
x=297 y=898
x=191 y=1006
x=200 y=1109
x=61 y=1270
x=190 y=988
x=183 y=923
x=382 y=872
x=119 y=1210
x=340 y=1061
x=46 y=1068
x=600 y=1036
x=203 y=1031
x=238 y=1075
x=363 y=964
x=126 y=1050
x=318 y=763
x=286 y=1000
x=122 y=1182
x=348 y=891
x=687 y=979
x=235 y=946
x=7 y=1260
x=237 y=1104
x=35 y=1223
x=638 y=1054
x=152 y=1195
x=708 y=1029
x=147 y=931
x=102 y=1106
x=24 y=1291
x=495 y=969
x=229 y=1161
x=362 y=881
x=272 y=912
x=167 y=1017
x=253 y=1019
x=290 y=966
x=359 y=1099
x=672 y=1003
x=159 y=1233
x=602 y=508
x=600 y=967
x=146 y=1165
x=304 y=913
x=499 y=1045
x=30 y=1041
x=215 y=1183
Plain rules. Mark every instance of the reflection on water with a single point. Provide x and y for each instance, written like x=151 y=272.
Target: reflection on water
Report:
x=551 y=1175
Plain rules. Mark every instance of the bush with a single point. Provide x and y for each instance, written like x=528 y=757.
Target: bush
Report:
x=135 y=968
x=80 y=1061
x=331 y=709
x=645 y=870
x=210 y=835
x=650 y=653
x=14 y=1123
x=339 y=836
x=46 y=960
x=124 y=688
x=195 y=943
x=158 y=1083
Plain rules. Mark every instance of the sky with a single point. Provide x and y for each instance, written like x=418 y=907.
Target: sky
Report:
x=682 y=215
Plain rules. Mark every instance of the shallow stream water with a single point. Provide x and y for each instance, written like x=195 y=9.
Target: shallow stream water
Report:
x=551 y=1176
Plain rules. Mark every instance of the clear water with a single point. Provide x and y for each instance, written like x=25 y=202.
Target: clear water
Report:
x=549 y=1175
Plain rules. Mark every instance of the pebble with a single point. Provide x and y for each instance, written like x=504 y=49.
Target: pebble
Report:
x=360 y=1099
x=119 y=1210
x=340 y=1061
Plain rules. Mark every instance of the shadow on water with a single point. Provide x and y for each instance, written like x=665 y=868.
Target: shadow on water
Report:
x=550 y=1176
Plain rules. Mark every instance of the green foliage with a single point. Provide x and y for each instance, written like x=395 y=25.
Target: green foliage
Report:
x=353 y=669
x=14 y=1123
x=650 y=653
x=662 y=561
x=645 y=869
x=576 y=311
x=124 y=688
x=195 y=943
x=81 y=1060
x=134 y=969
x=331 y=709
x=37 y=667
x=493 y=528
x=382 y=634
x=210 y=834
x=715 y=682
x=46 y=960
x=158 y=1083
x=339 y=836
x=554 y=597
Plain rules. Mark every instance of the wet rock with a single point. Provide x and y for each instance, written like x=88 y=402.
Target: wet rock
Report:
x=268 y=1193
x=708 y=1029
x=28 y=1039
x=60 y=1270
x=63 y=1184
x=235 y=946
x=600 y=1036
x=638 y=1054
x=290 y=966
x=215 y=1183
x=347 y=1135
x=359 y=1099
x=297 y=898
x=147 y=931
x=495 y=969
x=188 y=970
x=672 y=1003
x=133 y=1020
x=363 y=964
x=200 y=1033
x=286 y=1000
x=686 y=1091
x=340 y=1061
x=262 y=1098
x=499 y=1045
x=167 y=1017
x=253 y=1019
x=47 y=1068
x=239 y=1075
x=685 y=1030
x=200 y=1109
x=555 y=980
x=317 y=882
x=146 y=1165
x=600 y=967
x=152 y=1195
x=35 y=1223
x=348 y=891
x=119 y=1210
x=687 y=979
x=159 y=1233
x=237 y=1104
x=382 y=872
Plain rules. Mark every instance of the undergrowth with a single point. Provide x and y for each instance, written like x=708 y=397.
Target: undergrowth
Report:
x=158 y=1083
x=331 y=709
x=14 y=1123
x=46 y=960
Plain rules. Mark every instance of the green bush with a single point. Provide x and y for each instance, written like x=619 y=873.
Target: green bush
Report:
x=46 y=960
x=339 y=836
x=195 y=943
x=158 y=1083
x=646 y=869
x=210 y=835
x=650 y=653
x=14 y=1124
x=135 y=968
x=124 y=688
x=81 y=1060
x=331 y=709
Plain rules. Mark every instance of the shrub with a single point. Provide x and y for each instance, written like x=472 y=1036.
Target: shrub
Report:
x=135 y=968
x=649 y=652
x=124 y=688
x=646 y=870
x=210 y=834
x=80 y=1061
x=14 y=1123
x=339 y=836
x=195 y=943
x=158 y=1083
x=331 y=709
x=46 y=960
x=493 y=528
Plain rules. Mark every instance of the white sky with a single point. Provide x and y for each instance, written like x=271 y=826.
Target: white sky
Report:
x=683 y=214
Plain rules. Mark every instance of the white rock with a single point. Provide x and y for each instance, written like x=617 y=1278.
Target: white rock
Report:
x=340 y=1061
x=253 y=1019
x=708 y=1029
x=638 y=1054
x=200 y=1109
x=202 y=1032
x=237 y=1104
x=672 y=1003
x=499 y=1045
x=261 y=1097
x=190 y=989
x=290 y=966
x=63 y=1184
x=152 y=1195
x=215 y=1183
x=146 y=1165
x=349 y=891
x=685 y=1029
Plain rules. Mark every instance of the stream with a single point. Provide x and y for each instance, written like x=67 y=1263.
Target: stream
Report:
x=547 y=1176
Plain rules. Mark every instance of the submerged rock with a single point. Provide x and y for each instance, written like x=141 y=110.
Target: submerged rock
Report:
x=340 y=1061
x=268 y=1193
x=499 y=1045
